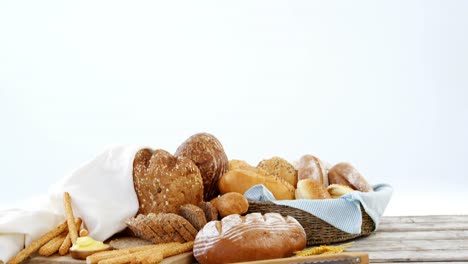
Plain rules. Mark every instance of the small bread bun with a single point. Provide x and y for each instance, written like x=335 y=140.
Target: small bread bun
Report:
x=345 y=174
x=311 y=189
x=280 y=167
x=338 y=190
x=241 y=179
x=231 y=203
x=311 y=167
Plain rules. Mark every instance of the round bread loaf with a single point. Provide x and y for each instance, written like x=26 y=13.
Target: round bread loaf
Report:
x=163 y=182
x=345 y=174
x=254 y=237
x=310 y=167
x=280 y=167
x=241 y=179
x=208 y=154
x=231 y=203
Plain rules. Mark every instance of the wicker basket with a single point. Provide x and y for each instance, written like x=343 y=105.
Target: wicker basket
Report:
x=318 y=231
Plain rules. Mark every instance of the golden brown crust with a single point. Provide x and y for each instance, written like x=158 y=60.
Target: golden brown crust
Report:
x=208 y=154
x=65 y=246
x=164 y=182
x=345 y=174
x=253 y=237
x=311 y=189
x=231 y=203
x=280 y=167
x=53 y=245
x=241 y=179
x=72 y=230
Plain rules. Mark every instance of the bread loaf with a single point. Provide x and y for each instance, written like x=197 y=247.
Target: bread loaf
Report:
x=310 y=167
x=231 y=203
x=311 y=189
x=243 y=178
x=280 y=167
x=163 y=182
x=345 y=174
x=208 y=154
x=253 y=237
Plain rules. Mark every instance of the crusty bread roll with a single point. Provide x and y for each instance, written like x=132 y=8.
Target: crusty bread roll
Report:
x=231 y=203
x=280 y=167
x=241 y=179
x=338 y=190
x=311 y=167
x=311 y=189
x=345 y=174
x=253 y=237
x=208 y=154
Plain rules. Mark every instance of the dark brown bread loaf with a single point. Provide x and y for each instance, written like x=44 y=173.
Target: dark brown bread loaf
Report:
x=208 y=154
x=194 y=215
x=162 y=228
x=164 y=182
x=254 y=237
x=211 y=213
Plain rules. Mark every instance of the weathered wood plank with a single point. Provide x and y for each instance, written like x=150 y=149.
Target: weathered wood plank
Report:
x=416 y=235
x=392 y=227
x=424 y=219
x=408 y=245
x=418 y=256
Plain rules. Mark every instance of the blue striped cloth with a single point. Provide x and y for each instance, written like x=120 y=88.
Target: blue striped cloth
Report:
x=343 y=213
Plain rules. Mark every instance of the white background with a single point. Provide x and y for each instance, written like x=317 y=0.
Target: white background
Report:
x=381 y=84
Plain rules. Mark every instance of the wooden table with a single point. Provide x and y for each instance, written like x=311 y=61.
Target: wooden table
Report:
x=417 y=239
x=402 y=239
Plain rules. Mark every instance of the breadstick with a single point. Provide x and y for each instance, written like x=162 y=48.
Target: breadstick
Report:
x=154 y=258
x=178 y=249
x=95 y=258
x=36 y=244
x=83 y=232
x=53 y=245
x=70 y=218
x=63 y=250
x=150 y=255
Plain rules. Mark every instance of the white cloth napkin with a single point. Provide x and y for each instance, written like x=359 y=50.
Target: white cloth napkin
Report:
x=102 y=195
x=343 y=213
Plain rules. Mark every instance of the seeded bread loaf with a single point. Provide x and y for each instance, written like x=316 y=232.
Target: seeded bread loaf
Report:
x=281 y=168
x=162 y=228
x=164 y=182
